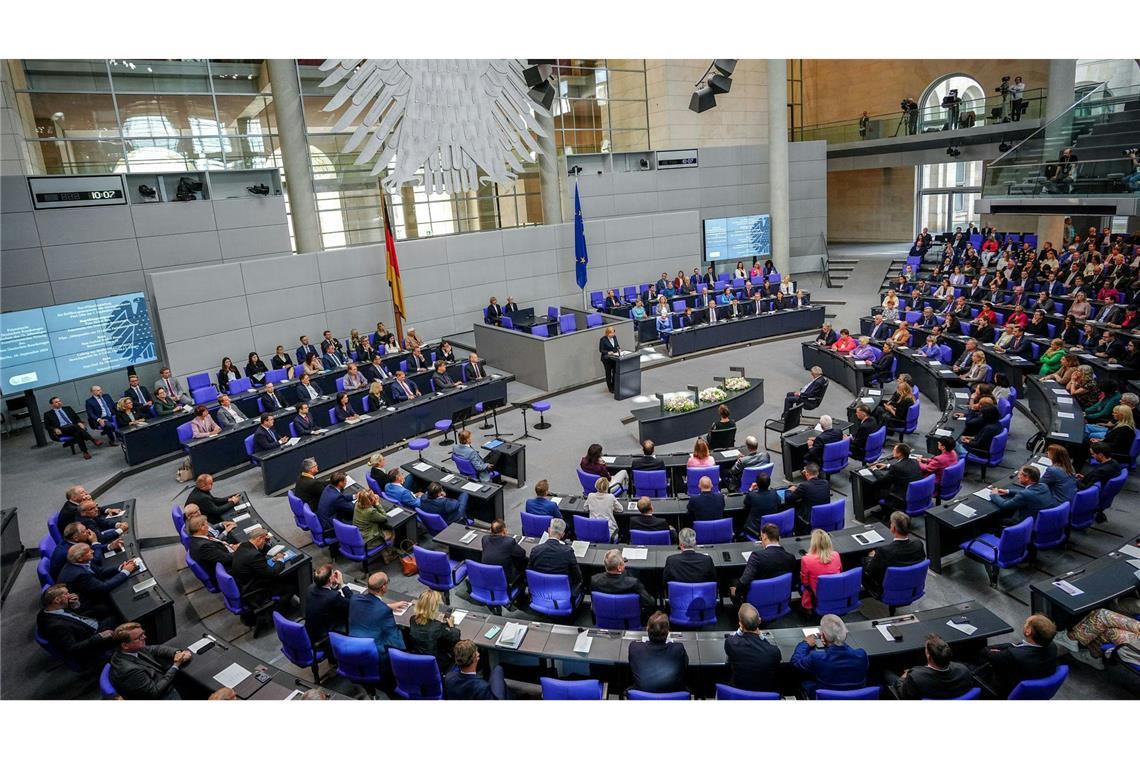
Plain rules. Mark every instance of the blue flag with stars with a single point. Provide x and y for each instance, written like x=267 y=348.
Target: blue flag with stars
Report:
x=580 y=256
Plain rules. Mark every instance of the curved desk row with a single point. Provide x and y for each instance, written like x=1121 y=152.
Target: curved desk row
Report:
x=141 y=598
x=484 y=500
x=837 y=367
x=743 y=329
x=666 y=427
x=1101 y=581
x=1055 y=413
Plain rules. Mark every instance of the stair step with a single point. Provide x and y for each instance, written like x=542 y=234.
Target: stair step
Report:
x=841 y=268
x=828 y=302
x=844 y=261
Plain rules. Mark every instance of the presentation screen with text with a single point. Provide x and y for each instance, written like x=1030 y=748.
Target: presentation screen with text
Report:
x=738 y=238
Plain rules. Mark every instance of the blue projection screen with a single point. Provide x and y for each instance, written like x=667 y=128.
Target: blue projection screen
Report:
x=55 y=344
x=738 y=238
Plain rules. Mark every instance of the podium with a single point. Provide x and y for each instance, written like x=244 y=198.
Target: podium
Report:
x=627 y=376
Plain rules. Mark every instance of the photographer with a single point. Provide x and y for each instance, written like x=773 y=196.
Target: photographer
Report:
x=910 y=115
x=1019 y=106
x=1132 y=179
x=864 y=121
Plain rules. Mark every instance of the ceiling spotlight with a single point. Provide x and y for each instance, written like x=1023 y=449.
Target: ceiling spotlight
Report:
x=713 y=84
x=703 y=99
x=1005 y=145
x=719 y=84
x=537 y=75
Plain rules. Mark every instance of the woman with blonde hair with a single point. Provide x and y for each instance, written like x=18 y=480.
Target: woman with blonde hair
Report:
x=374 y=399
x=900 y=404
x=891 y=305
x=602 y=504
x=1059 y=477
x=429 y=632
x=786 y=286
x=901 y=336
x=369 y=519
x=1080 y=308
x=377 y=470
x=1051 y=358
x=1083 y=386
x=700 y=456
x=1122 y=433
x=978 y=370
x=821 y=559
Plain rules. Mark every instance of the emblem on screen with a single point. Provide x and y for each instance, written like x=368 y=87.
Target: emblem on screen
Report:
x=130 y=331
x=761 y=233
x=24 y=379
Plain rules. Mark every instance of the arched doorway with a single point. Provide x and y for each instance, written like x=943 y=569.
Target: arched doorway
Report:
x=933 y=117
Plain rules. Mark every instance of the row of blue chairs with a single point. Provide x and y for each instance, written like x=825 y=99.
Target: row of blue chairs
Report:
x=630 y=293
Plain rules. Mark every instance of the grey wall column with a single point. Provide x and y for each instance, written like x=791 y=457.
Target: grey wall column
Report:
x=548 y=173
x=778 y=182
x=295 y=154
x=1062 y=79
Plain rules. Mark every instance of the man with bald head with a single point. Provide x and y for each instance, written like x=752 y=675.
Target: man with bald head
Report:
x=106 y=528
x=706 y=505
x=255 y=577
x=213 y=507
x=78 y=533
x=370 y=617
x=79 y=576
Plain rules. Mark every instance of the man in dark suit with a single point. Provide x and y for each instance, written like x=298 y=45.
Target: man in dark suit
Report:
x=644 y=519
x=803 y=496
x=78 y=533
x=471 y=369
x=663 y=283
x=939 y=678
x=334 y=502
x=880 y=331
x=688 y=565
x=835 y=666
x=212 y=507
x=402 y=388
x=466 y=683
x=608 y=350
x=553 y=557
x=105 y=529
x=264 y=439
x=828 y=434
x=255 y=578
x=100 y=408
x=768 y=561
x=83 y=641
x=326 y=608
x=369 y=616
x=330 y=359
x=309 y=487
x=754 y=661
x=902 y=551
x=648 y=460
x=375 y=369
x=417 y=362
x=436 y=502
x=500 y=548
x=208 y=551
x=882 y=368
x=62 y=420
x=900 y=473
x=865 y=425
x=1101 y=467
x=439 y=378
x=811 y=391
x=141 y=672
x=1006 y=665
x=305 y=350
x=615 y=581
x=329 y=340
x=95 y=592
x=139 y=394
x=270 y=401
x=306 y=391
x=760 y=502
x=658 y=665
x=706 y=505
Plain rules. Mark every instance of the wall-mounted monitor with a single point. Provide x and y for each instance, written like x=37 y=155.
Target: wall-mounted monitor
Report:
x=56 y=344
x=738 y=238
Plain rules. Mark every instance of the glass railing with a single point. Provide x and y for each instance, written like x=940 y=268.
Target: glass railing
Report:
x=1087 y=150
x=978 y=112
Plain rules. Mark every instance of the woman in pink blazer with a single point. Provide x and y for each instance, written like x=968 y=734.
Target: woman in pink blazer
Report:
x=945 y=457
x=203 y=425
x=820 y=560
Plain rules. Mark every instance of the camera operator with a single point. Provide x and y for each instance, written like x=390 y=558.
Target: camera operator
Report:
x=910 y=114
x=864 y=121
x=1132 y=179
x=1015 y=93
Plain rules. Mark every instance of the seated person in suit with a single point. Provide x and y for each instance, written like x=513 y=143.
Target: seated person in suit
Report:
x=304 y=424
x=82 y=641
x=439 y=378
x=335 y=503
x=395 y=490
x=173 y=386
x=329 y=340
x=255 y=369
x=264 y=438
x=374 y=400
x=309 y=487
x=500 y=548
x=100 y=409
x=644 y=519
x=326 y=608
x=881 y=367
x=939 y=678
x=330 y=359
x=688 y=565
x=370 y=617
x=1004 y=666
x=899 y=405
x=306 y=391
x=138 y=394
x=446 y=353
x=901 y=471
x=403 y=388
x=494 y=312
x=612 y=301
x=754 y=661
x=226 y=375
x=706 y=505
x=826 y=335
x=648 y=460
x=164 y=406
x=282 y=360
x=837 y=666
x=752 y=456
x=828 y=434
x=344 y=411
x=466 y=683
x=465 y=451
x=127 y=415
x=62 y=420
x=417 y=362
x=760 y=501
x=1026 y=501
x=257 y=580
x=615 y=581
x=768 y=561
x=271 y=401
x=369 y=519
x=1101 y=467
x=555 y=557
x=803 y=496
x=142 y=672
x=430 y=632
x=865 y=425
x=902 y=551
x=542 y=504
x=472 y=369
x=375 y=369
x=228 y=413
x=77 y=533
x=364 y=350
x=602 y=505
x=436 y=502
x=305 y=350
x=79 y=575
x=658 y=665
x=213 y=507
x=353 y=378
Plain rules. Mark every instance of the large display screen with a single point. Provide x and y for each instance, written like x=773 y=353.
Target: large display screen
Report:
x=55 y=344
x=738 y=238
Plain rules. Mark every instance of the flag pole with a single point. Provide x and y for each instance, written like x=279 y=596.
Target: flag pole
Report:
x=388 y=231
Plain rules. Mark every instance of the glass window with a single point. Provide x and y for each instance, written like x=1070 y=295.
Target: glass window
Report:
x=79 y=156
x=65 y=76
x=142 y=75
x=73 y=115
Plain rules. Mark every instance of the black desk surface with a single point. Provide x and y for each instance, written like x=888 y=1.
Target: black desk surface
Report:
x=668 y=427
x=132 y=605
x=1101 y=580
x=727 y=331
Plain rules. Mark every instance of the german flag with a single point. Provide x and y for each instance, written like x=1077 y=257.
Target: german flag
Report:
x=394 y=282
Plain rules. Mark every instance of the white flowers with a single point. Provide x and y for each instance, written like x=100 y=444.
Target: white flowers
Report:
x=736 y=384
x=712 y=395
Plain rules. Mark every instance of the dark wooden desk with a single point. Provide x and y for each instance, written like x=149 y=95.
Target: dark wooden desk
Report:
x=152 y=608
x=794 y=445
x=1102 y=580
x=484 y=500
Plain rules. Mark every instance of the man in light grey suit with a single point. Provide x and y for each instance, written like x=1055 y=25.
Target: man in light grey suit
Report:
x=173 y=387
x=752 y=456
x=228 y=414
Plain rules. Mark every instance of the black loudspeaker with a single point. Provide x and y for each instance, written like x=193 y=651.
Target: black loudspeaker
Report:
x=719 y=84
x=702 y=100
x=725 y=66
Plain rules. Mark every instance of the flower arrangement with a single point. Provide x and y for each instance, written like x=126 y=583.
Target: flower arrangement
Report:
x=712 y=395
x=736 y=384
x=679 y=402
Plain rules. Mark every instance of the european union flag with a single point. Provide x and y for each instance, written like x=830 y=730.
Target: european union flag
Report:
x=580 y=256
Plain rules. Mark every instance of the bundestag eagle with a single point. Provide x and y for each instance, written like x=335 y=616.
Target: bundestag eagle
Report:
x=450 y=118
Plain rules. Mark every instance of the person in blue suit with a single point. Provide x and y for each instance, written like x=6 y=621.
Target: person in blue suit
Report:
x=436 y=502
x=706 y=505
x=101 y=412
x=334 y=502
x=264 y=438
x=465 y=451
x=79 y=576
x=77 y=533
x=836 y=666
x=402 y=388
x=466 y=683
x=370 y=617
x=1027 y=501
x=305 y=349
x=396 y=491
x=541 y=503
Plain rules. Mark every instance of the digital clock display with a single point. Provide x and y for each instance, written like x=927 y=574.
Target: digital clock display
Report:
x=77 y=191
x=86 y=195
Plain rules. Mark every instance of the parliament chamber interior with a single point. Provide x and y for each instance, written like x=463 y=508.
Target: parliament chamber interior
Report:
x=630 y=379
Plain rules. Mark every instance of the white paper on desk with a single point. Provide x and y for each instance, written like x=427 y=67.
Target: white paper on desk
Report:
x=1045 y=461
x=391 y=409
x=882 y=629
x=399 y=613
x=292 y=695
x=468 y=537
x=1066 y=415
x=629 y=505
x=352 y=420
x=248 y=528
x=869 y=537
x=943 y=431
x=544 y=538
x=458 y=615
x=1059 y=391
x=293 y=440
x=197 y=645
x=867 y=399
x=421 y=466
x=1058 y=434
x=349 y=482
x=818 y=428
x=865 y=472
x=472 y=487
x=232 y=675
x=1129 y=549
x=985 y=493
x=356 y=588
x=635 y=552
x=609 y=460
x=241 y=507
x=965 y=628
x=140 y=566
x=1064 y=400
x=811 y=632
x=965 y=510
x=1040 y=467
x=731 y=453
x=395 y=511
x=1135 y=563
x=583 y=643
x=111 y=554
x=556 y=499
x=512 y=634
x=961 y=394
x=580 y=548
x=237 y=519
x=275 y=550
x=364 y=417
x=148 y=583
x=875 y=392
x=1068 y=588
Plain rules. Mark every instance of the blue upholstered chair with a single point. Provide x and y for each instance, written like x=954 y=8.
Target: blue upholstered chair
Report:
x=596 y=530
x=785 y=521
x=651 y=483
x=417 y=675
x=726 y=692
x=1083 y=513
x=176 y=517
x=650 y=537
x=748 y=476
x=1051 y=527
x=438 y=571
x=488 y=586
x=829 y=516
x=357 y=660
x=835 y=456
x=869 y=692
x=669 y=696
x=838 y=594
x=432 y=522
x=1110 y=490
x=996 y=453
x=772 y=597
x=551 y=595
x=352 y=544
x=998 y=553
x=622 y=611
x=904 y=585
x=951 y=481
x=692 y=605
x=713 y=531
x=534 y=526
x=1040 y=688
x=106 y=689
x=296 y=645
x=201 y=574
x=694 y=475
x=313 y=523
x=585 y=689
x=920 y=495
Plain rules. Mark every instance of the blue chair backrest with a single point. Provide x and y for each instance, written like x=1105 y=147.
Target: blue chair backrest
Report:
x=952 y=480
x=997 y=447
x=829 y=516
x=435 y=570
x=372 y=484
x=204 y=394
x=678 y=306
x=465 y=468
x=43 y=571
x=875 y=442
x=748 y=476
x=838 y=594
x=1013 y=546
x=340 y=385
x=295 y=642
x=651 y=483
x=650 y=537
x=588 y=481
x=241 y=385
x=870 y=692
x=593 y=320
x=592 y=530
x=357 y=658
x=835 y=455
x=667 y=696
x=185 y=432
x=912 y=416
x=199 y=380
x=505 y=321
x=332 y=416
x=231 y=594
x=176 y=517
x=772 y=597
x=725 y=692
x=1083 y=513
x=417 y=675
x=692 y=604
x=552 y=311
x=586 y=689
x=912 y=317
x=785 y=521
x=597 y=299
x=713 y=531
x=567 y=323
x=534 y=525
x=433 y=523
x=629 y=292
x=350 y=540
x=1111 y=489
x=201 y=574
x=696 y=473
x=488 y=583
x=972 y=694
x=920 y=495
x=622 y=611
x=276 y=375
x=47 y=546
x=541 y=331
x=313 y=523
x=1041 y=688
x=1051 y=526
x=550 y=594
x=249 y=448
x=947 y=354
x=903 y=585
x=106 y=689
x=1133 y=452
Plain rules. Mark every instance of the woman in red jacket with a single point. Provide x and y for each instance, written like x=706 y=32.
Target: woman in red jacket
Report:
x=946 y=457
x=821 y=559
